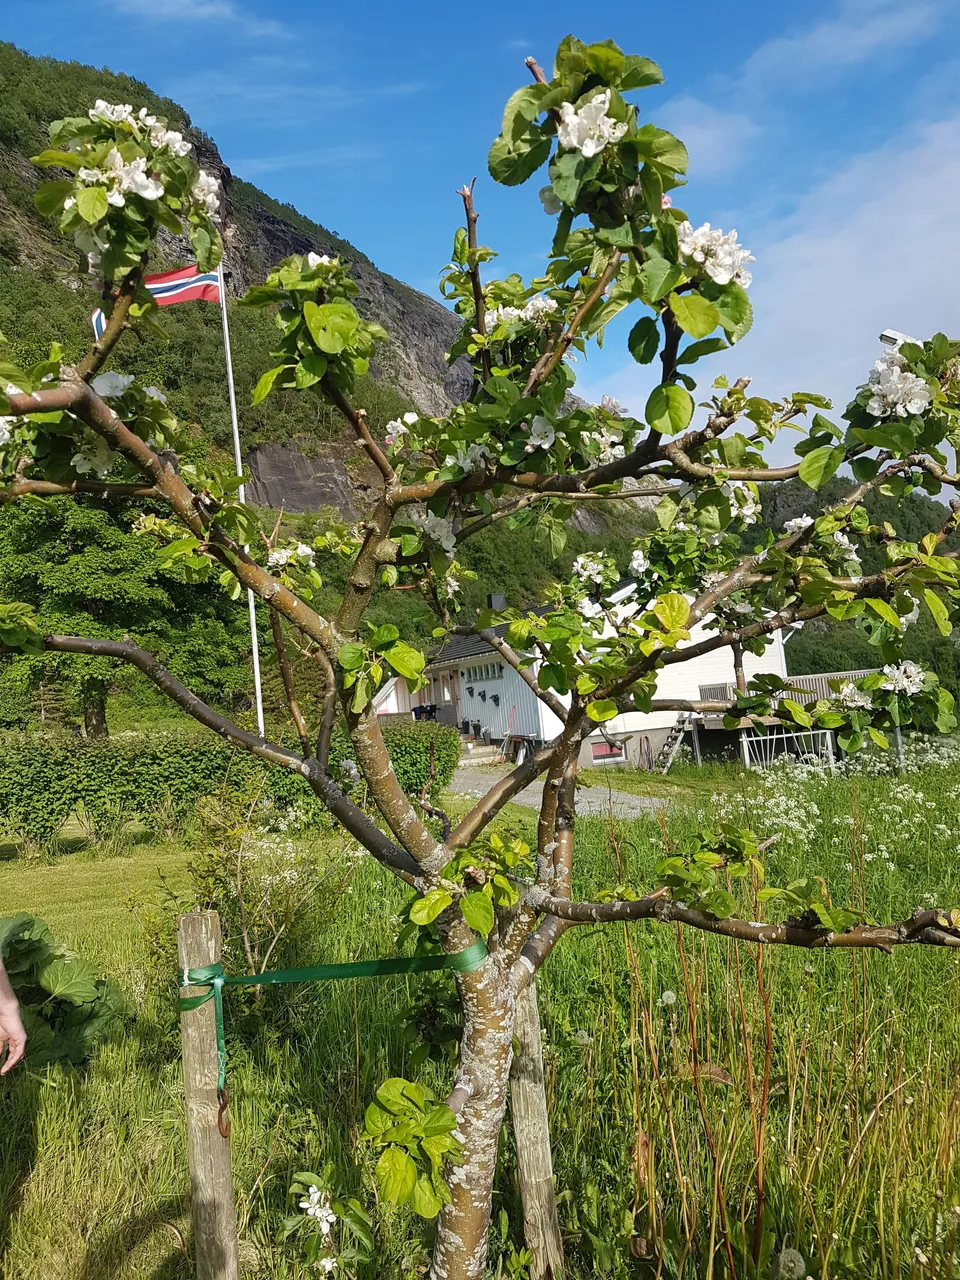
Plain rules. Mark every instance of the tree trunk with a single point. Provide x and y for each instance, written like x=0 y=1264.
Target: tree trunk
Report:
x=486 y=1050
x=531 y=1130
x=95 y=711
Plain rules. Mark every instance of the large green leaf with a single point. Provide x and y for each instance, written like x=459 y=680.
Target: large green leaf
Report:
x=405 y=660
x=51 y=195
x=92 y=203
x=657 y=277
x=817 y=467
x=424 y=1201
x=478 y=912
x=694 y=314
x=733 y=307
x=669 y=409
x=426 y=909
x=396 y=1175
x=602 y=709
x=938 y=611
x=643 y=342
x=672 y=610
x=265 y=384
x=68 y=978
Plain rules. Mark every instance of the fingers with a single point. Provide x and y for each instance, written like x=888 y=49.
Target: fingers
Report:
x=16 y=1047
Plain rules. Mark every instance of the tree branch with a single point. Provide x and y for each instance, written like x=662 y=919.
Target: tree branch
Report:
x=49 y=489
x=545 y=366
x=512 y=658
x=466 y=195
x=357 y=419
x=98 y=354
x=351 y=815
x=289 y=686
x=924 y=927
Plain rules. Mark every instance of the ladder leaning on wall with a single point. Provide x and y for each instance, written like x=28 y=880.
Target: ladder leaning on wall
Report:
x=671 y=744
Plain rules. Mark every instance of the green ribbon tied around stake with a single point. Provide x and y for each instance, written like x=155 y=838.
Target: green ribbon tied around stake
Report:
x=213 y=977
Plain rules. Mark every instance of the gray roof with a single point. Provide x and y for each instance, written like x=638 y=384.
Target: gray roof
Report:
x=459 y=648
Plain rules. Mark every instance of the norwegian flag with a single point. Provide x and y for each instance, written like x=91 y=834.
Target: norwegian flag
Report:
x=184 y=285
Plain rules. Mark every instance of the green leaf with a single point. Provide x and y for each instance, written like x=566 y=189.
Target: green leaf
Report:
x=696 y=350
x=694 y=314
x=332 y=325
x=92 y=203
x=396 y=1175
x=879 y=738
x=669 y=409
x=818 y=466
x=478 y=912
x=424 y=1201
x=657 y=277
x=350 y=656
x=405 y=660
x=673 y=610
x=51 y=195
x=733 y=307
x=886 y=612
x=522 y=146
x=384 y=636
x=639 y=73
x=68 y=979
x=797 y=712
x=643 y=342
x=938 y=611
x=602 y=709
x=426 y=909
x=265 y=384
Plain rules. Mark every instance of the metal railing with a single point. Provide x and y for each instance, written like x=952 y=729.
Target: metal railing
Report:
x=813 y=686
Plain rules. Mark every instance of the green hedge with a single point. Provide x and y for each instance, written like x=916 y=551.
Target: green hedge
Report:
x=43 y=780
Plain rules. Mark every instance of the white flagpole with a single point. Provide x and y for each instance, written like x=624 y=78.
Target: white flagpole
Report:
x=258 y=691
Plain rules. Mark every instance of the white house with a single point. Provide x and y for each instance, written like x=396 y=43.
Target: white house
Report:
x=471 y=687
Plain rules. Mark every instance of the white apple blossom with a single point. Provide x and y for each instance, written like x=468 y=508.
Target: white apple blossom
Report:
x=854 y=699
x=609 y=405
x=905 y=677
x=397 y=428
x=589 y=568
x=798 y=524
x=206 y=191
x=711 y=252
x=896 y=392
x=111 y=114
x=639 y=564
x=436 y=528
x=543 y=434
x=305 y=552
x=551 y=202
x=319 y=260
x=910 y=618
x=278 y=558
x=94 y=455
x=609 y=444
x=468 y=457
x=844 y=543
x=155 y=394
x=500 y=315
x=744 y=503
x=6 y=426
x=590 y=608
x=109 y=385
x=588 y=129
x=539 y=310
x=163 y=139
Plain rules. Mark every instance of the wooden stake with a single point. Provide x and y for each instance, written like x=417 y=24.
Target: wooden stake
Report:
x=531 y=1131
x=211 y=1183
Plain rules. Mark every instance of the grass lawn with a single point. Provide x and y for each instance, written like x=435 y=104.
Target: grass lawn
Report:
x=861 y=1143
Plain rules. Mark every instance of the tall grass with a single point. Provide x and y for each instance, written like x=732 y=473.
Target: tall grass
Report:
x=670 y=1089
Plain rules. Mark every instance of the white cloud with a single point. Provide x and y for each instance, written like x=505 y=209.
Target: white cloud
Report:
x=862 y=30
x=249 y=93
x=225 y=12
x=864 y=251
x=324 y=158
x=715 y=139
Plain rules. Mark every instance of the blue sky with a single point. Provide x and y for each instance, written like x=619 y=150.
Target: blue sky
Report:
x=829 y=138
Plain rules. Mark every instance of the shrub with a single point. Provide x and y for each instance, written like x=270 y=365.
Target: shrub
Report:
x=161 y=776
x=65 y=1007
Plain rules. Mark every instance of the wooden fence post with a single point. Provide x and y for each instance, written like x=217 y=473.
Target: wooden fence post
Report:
x=531 y=1131
x=211 y=1184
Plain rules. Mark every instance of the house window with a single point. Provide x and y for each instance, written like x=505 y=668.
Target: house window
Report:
x=606 y=751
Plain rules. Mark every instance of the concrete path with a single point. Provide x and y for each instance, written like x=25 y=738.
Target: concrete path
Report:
x=594 y=801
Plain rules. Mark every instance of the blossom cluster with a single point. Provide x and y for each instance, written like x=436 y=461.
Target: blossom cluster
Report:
x=282 y=556
x=904 y=677
x=588 y=129
x=896 y=393
x=711 y=252
x=399 y=427
x=536 y=312
x=436 y=528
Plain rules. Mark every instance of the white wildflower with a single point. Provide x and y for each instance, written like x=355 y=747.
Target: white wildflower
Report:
x=327 y=1264
x=711 y=252
x=905 y=677
x=896 y=391
x=668 y=998
x=539 y=310
x=542 y=435
x=854 y=699
x=206 y=192
x=589 y=129
x=109 y=385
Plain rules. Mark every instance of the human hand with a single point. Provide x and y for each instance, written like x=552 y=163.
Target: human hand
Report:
x=12 y=1035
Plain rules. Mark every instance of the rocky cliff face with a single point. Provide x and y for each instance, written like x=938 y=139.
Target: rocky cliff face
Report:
x=258 y=232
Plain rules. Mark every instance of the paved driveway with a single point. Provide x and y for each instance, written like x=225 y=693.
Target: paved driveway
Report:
x=594 y=801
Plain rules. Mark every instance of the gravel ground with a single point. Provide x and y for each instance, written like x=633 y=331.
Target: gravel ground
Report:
x=597 y=801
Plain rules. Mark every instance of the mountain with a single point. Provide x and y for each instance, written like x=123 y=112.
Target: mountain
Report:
x=295 y=447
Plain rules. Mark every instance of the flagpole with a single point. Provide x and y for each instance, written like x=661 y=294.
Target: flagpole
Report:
x=258 y=691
